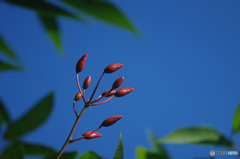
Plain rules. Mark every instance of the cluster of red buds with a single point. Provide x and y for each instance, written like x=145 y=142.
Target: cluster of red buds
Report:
x=111 y=93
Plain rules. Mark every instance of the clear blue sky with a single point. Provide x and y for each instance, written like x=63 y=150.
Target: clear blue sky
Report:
x=185 y=71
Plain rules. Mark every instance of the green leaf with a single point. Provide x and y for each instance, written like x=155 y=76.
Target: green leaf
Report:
x=236 y=120
x=90 y=155
x=143 y=153
x=158 y=147
x=37 y=150
x=13 y=151
x=9 y=67
x=44 y=8
x=65 y=155
x=31 y=120
x=119 y=151
x=4 y=117
x=196 y=135
x=103 y=10
x=52 y=28
x=6 y=49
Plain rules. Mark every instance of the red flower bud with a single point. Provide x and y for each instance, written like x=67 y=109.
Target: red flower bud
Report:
x=117 y=83
x=110 y=94
x=87 y=82
x=110 y=121
x=112 y=68
x=123 y=91
x=78 y=96
x=81 y=63
x=90 y=135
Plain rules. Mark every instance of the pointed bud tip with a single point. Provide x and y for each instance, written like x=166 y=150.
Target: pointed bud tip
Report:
x=81 y=63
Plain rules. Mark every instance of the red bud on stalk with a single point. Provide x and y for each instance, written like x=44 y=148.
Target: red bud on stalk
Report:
x=117 y=83
x=87 y=82
x=123 y=91
x=78 y=96
x=92 y=135
x=110 y=94
x=81 y=63
x=112 y=68
x=110 y=121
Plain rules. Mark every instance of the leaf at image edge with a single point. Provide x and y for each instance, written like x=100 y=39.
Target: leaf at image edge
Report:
x=52 y=29
x=65 y=155
x=9 y=67
x=103 y=10
x=6 y=49
x=37 y=149
x=158 y=147
x=196 y=135
x=15 y=150
x=236 y=120
x=4 y=117
x=143 y=153
x=119 y=151
x=90 y=155
x=31 y=120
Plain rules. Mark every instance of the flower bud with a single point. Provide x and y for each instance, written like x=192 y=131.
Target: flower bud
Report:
x=78 y=96
x=90 y=135
x=110 y=121
x=87 y=82
x=81 y=63
x=110 y=94
x=117 y=83
x=123 y=91
x=112 y=68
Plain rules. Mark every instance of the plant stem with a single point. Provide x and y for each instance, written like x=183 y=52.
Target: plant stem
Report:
x=80 y=88
x=96 y=87
x=71 y=133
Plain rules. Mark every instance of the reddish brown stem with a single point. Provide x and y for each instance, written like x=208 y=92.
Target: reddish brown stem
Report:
x=71 y=133
x=96 y=87
x=74 y=108
x=102 y=97
x=80 y=89
x=102 y=101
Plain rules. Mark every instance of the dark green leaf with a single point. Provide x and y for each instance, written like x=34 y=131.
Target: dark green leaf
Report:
x=31 y=120
x=4 y=117
x=65 y=155
x=102 y=10
x=158 y=147
x=37 y=150
x=7 y=67
x=6 y=50
x=236 y=120
x=52 y=28
x=196 y=135
x=13 y=151
x=44 y=8
x=143 y=153
x=119 y=151
x=90 y=155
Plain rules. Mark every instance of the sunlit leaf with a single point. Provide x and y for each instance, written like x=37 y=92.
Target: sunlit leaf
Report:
x=6 y=49
x=103 y=10
x=143 y=153
x=119 y=151
x=236 y=120
x=196 y=135
x=4 y=117
x=44 y=8
x=37 y=150
x=13 y=151
x=65 y=155
x=90 y=155
x=9 y=67
x=158 y=147
x=31 y=120
x=52 y=29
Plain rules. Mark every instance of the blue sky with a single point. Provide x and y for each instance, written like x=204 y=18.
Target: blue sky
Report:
x=184 y=68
